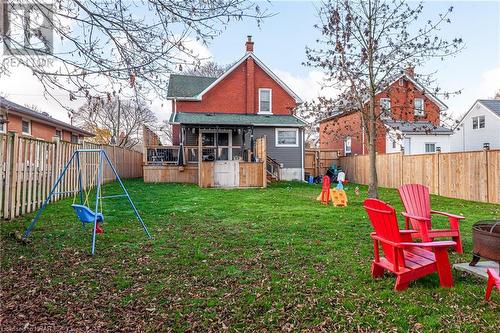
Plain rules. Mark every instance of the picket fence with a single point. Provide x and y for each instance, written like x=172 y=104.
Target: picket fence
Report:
x=464 y=175
x=29 y=168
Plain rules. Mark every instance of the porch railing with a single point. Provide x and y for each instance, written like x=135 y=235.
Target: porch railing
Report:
x=273 y=168
x=170 y=155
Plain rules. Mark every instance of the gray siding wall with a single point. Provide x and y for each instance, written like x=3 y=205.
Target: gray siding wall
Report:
x=291 y=157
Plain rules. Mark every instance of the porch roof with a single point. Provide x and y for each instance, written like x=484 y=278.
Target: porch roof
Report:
x=200 y=118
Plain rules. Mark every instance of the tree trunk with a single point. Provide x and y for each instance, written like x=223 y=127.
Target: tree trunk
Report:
x=372 y=149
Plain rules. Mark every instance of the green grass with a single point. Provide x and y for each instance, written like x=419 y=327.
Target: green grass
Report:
x=244 y=260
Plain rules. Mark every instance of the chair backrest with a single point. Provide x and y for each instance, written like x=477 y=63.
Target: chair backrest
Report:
x=384 y=221
x=416 y=199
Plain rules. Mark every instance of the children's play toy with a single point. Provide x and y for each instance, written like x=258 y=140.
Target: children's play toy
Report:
x=337 y=195
x=83 y=212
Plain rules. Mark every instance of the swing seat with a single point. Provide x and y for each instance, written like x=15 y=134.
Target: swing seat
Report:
x=86 y=215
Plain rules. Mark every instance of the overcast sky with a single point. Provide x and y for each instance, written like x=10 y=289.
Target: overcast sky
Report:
x=281 y=40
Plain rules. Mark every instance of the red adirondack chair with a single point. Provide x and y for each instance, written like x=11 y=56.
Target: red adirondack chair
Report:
x=493 y=280
x=417 y=202
x=408 y=260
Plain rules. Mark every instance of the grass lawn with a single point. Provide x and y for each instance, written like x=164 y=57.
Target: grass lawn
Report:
x=237 y=260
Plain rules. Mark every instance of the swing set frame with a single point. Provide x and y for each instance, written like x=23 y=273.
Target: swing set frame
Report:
x=103 y=156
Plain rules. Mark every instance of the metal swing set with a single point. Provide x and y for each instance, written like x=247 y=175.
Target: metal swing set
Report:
x=83 y=212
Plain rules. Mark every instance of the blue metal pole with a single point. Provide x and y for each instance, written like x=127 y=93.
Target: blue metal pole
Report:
x=39 y=212
x=128 y=196
x=97 y=195
x=79 y=175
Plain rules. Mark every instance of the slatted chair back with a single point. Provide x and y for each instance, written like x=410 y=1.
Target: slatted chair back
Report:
x=383 y=219
x=416 y=199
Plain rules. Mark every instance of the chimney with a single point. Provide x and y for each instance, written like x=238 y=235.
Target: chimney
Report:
x=249 y=44
x=410 y=71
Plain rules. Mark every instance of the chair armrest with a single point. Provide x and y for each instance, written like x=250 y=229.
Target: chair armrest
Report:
x=414 y=217
x=429 y=244
x=458 y=217
x=404 y=232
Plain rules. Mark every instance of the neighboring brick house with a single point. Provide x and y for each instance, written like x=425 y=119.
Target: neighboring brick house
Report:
x=229 y=112
x=410 y=120
x=27 y=122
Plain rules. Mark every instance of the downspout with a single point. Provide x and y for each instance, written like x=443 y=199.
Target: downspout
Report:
x=302 y=154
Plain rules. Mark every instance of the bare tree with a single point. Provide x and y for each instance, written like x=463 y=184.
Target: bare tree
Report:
x=209 y=69
x=365 y=45
x=497 y=94
x=115 y=121
x=115 y=45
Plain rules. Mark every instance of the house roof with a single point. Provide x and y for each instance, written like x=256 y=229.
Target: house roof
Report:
x=491 y=104
x=418 y=128
x=41 y=117
x=185 y=86
x=201 y=82
x=221 y=119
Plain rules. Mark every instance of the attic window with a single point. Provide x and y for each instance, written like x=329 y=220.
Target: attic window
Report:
x=401 y=82
x=418 y=105
x=265 y=100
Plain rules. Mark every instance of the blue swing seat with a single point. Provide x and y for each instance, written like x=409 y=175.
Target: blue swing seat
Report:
x=86 y=215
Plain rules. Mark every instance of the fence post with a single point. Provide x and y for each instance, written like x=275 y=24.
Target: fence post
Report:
x=438 y=153
x=13 y=176
x=401 y=168
x=486 y=151
x=8 y=170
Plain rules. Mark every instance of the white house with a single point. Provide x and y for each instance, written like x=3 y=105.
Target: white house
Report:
x=419 y=137
x=479 y=126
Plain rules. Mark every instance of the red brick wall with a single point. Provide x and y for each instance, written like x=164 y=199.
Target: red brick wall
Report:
x=38 y=130
x=235 y=92
x=333 y=132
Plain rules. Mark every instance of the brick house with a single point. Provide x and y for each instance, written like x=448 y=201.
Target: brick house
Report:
x=230 y=112
x=409 y=119
x=27 y=122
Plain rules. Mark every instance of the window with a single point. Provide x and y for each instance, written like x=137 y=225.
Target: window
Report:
x=26 y=127
x=418 y=105
x=58 y=134
x=478 y=122
x=385 y=108
x=3 y=126
x=217 y=146
x=74 y=138
x=347 y=145
x=430 y=147
x=287 y=137
x=265 y=100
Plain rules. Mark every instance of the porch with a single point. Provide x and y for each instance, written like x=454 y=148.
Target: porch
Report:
x=230 y=158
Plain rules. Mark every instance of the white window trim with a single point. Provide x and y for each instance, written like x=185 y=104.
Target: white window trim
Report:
x=29 y=126
x=418 y=112
x=385 y=114
x=430 y=143
x=270 y=101
x=4 y=125
x=277 y=144
x=345 y=145
x=478 y=118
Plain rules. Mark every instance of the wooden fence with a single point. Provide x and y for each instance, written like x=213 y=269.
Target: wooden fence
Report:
x=465 y=175
x=29 y=168
x=317 y=161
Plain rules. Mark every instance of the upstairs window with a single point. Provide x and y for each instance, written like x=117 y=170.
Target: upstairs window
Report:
x=3 y=126
x=385 y=108
x=74 y=138
x=59 y=134
x=347 y=145
x=418 y=106
x=26 y=127
x=265 y=100
x=478 y=122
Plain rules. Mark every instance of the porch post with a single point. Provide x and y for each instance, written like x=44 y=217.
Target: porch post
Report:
x=200 y=154
x=252 y=157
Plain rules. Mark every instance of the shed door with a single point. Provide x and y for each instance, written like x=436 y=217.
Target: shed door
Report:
x=226 y=174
